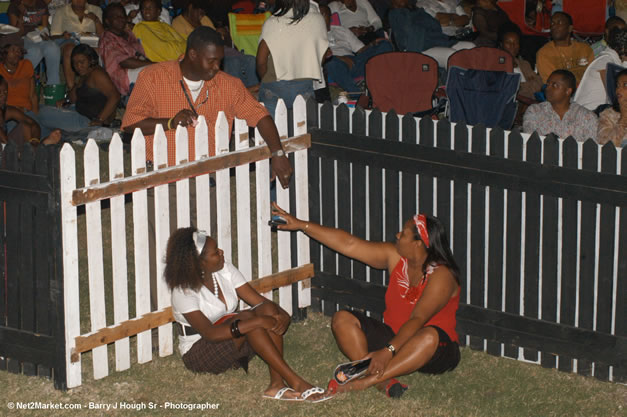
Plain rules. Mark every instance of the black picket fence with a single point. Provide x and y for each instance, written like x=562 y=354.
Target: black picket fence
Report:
x=32 y=339
x=537 y=225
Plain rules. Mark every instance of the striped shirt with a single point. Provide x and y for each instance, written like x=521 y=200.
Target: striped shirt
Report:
x=158 y=94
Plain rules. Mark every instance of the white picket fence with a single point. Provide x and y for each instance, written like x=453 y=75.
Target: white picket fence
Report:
x=140 y=180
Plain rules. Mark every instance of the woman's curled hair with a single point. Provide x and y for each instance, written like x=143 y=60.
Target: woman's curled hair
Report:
x=183 y=268
x=439 y=251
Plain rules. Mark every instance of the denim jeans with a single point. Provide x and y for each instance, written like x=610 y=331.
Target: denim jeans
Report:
x=270 y=93
x=48 y=50
x=243 y=67
x=339 y=72
x=67 y=119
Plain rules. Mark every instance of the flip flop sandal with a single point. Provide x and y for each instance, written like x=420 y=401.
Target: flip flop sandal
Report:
x=313 y=391
x=395 y=389
x=280 y=393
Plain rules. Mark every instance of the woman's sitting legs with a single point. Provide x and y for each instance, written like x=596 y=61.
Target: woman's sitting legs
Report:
x=48 y=50
x=269 y=346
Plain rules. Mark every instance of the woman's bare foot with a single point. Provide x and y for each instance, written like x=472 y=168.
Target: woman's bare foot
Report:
x=53 y=138
x=272 y=390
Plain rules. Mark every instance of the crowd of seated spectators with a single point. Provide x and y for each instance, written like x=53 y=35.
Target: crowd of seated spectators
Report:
x=309 y=48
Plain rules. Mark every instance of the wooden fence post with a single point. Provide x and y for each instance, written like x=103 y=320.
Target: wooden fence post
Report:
x=71 y=295
x=97 y=311
x=283 y=200
x=302 y=198
x=163 y=227
x=203 y=191
x=223 y=188
x=242 y=187
x=118 y=253
x=262 y=187
x=140 y=242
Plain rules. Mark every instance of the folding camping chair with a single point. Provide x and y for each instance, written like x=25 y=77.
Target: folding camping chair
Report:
x=245 y=30
x=611 y=74
x=482 y=58
x=588 y=16
x=403 y=81
x=477 y=96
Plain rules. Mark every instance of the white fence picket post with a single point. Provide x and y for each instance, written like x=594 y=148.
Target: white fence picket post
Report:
x=264 y=242
x=182 y=186
x=162 y=233
x=242 y=182
x=140 y=241
x=203 y=192
x=223 y=189
x=283 y=200
x=118 y=253
x=94 y=260
x=71 y=295
x=302 y=198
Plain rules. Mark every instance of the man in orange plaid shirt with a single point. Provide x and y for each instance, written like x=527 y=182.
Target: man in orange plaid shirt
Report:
x=176 y=92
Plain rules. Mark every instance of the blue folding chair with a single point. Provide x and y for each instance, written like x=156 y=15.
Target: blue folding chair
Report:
x=487 y=97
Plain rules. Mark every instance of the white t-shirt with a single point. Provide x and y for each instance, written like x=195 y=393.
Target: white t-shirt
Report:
x=591 y=91
x=433 y=7
x=185 y=301
x=297 y=48
x=364 y=15
x=343 y=42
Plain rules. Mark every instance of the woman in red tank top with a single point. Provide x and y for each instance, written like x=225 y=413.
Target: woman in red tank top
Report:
x=421 y=302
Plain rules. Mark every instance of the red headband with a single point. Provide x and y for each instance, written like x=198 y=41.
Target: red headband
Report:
x=421 y=225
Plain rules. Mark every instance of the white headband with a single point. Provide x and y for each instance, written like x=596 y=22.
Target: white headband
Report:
x=199 y=237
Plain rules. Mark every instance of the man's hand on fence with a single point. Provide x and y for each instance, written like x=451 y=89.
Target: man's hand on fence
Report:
x=185 y=118
x=282 y=169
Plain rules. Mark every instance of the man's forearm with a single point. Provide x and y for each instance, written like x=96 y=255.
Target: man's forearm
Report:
x=270 y=135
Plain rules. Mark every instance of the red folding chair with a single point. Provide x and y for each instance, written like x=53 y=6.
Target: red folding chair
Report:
x=482 y=58
x=403 y=81
x=588 y=16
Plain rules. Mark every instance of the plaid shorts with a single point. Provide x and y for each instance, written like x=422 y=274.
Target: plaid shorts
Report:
x=217 y=357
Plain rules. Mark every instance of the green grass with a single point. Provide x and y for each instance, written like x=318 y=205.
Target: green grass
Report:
x=482 y=385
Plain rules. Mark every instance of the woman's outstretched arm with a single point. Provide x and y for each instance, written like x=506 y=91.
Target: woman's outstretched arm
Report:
x=380 y=255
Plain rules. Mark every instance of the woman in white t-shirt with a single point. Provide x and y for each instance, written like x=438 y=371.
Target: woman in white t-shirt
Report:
x=214 y=336
x=292 y=46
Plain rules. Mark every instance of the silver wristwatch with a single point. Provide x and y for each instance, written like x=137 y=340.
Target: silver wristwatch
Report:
x=279 y=152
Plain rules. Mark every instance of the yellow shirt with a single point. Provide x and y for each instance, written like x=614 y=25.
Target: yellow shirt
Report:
x=575 y=58
x=160 y=41
x=184 y=28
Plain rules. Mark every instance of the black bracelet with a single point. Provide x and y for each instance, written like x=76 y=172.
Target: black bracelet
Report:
x=235 y=329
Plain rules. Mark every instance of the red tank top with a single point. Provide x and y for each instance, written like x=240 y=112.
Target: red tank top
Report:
x=400 y=300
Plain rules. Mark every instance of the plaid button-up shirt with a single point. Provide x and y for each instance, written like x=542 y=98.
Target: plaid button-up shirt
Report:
x=158 y=94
